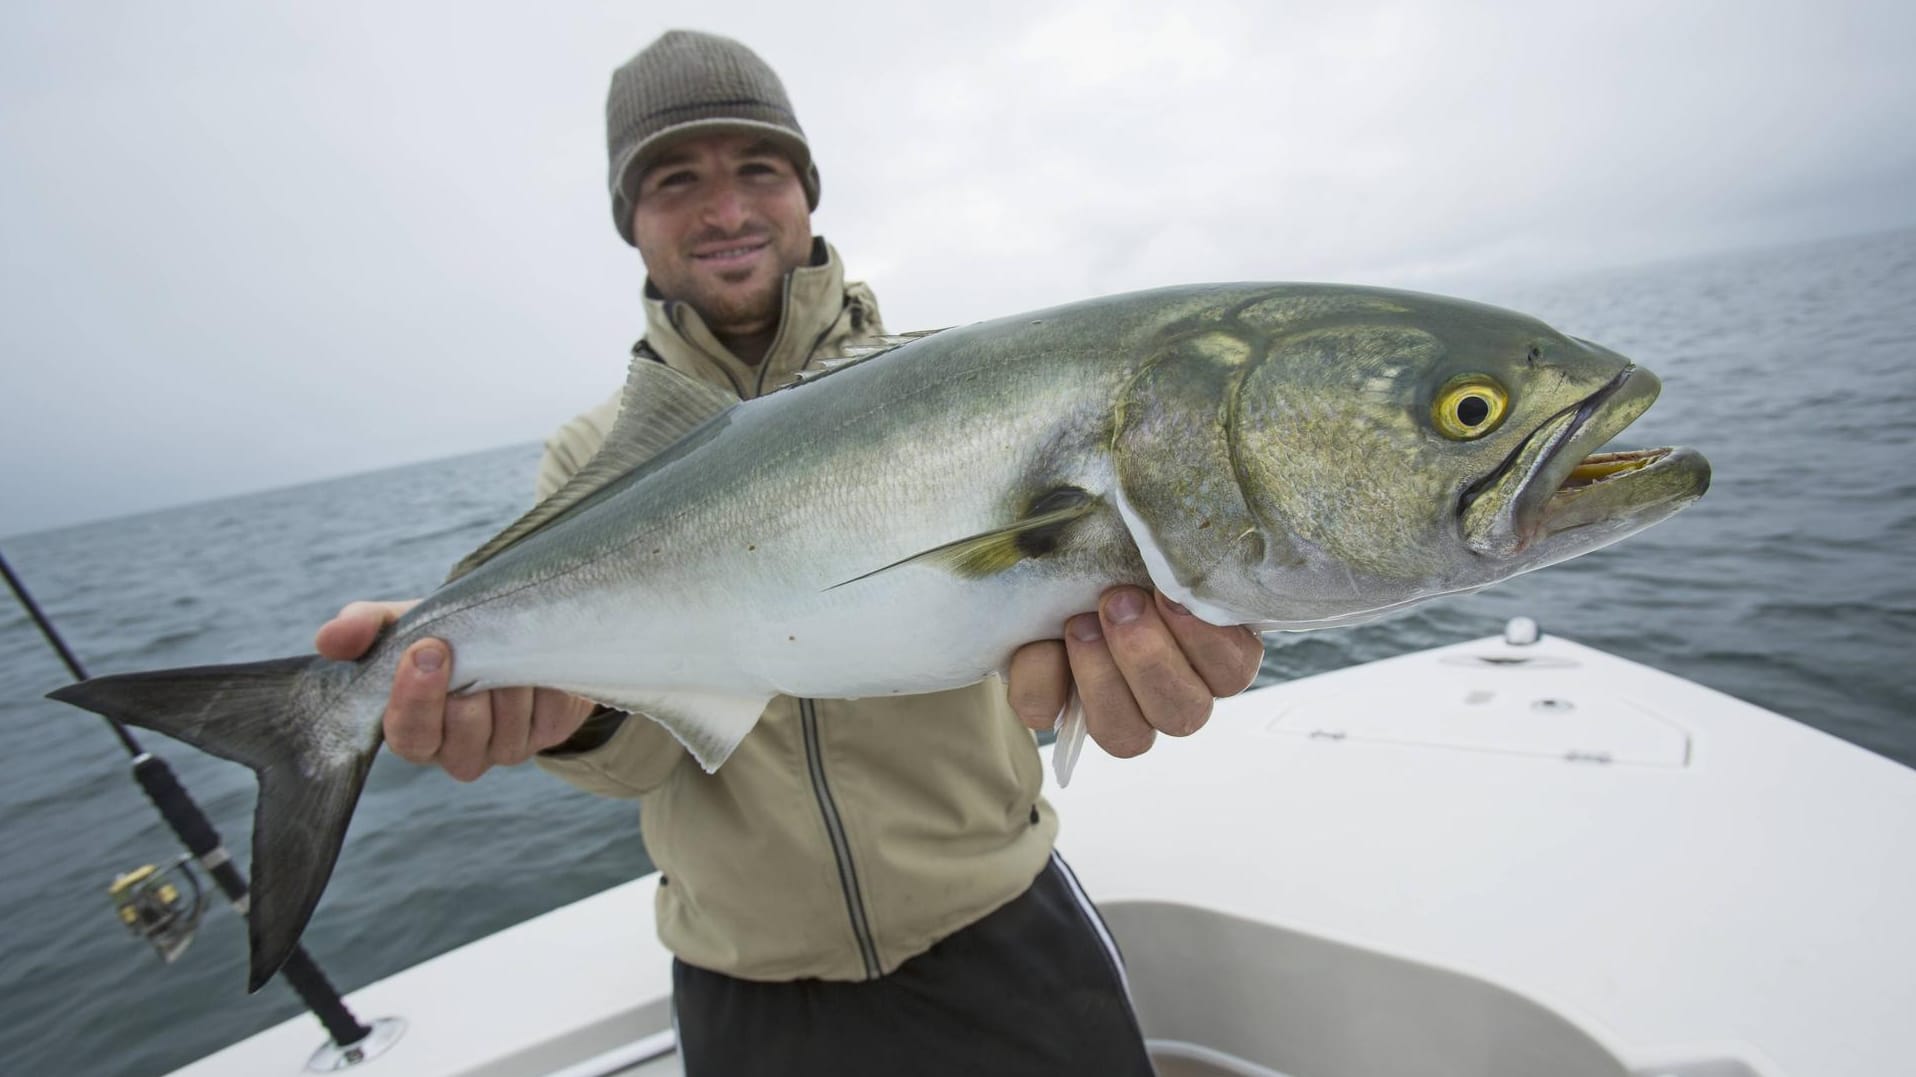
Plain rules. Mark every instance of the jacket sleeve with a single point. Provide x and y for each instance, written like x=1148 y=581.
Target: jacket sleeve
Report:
x=635 y=760
x=640 y=754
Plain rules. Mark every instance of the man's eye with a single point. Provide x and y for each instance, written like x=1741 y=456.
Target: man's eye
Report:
x=669 y=181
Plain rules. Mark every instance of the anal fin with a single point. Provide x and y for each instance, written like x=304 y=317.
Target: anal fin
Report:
x=709 y=724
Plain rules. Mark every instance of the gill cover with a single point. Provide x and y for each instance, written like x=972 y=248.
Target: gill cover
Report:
x=1179 y=491
x=1199 y=447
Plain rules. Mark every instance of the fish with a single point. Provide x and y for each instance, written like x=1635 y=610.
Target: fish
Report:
x=1284 y=456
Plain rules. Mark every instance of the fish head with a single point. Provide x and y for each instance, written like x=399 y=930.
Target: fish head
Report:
x=1398 y=447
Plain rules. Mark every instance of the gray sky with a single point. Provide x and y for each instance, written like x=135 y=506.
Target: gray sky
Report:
x=247 y=245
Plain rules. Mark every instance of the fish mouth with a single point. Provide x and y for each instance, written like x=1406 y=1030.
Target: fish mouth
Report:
x=1555 y=483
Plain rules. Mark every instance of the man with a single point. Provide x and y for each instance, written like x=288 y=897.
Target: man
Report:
x=865 y=886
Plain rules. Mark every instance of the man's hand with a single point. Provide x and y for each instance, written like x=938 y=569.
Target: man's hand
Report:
x=467 y=734
x=1143 y=665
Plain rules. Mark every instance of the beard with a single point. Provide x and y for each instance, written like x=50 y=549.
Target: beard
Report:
x=737 y=299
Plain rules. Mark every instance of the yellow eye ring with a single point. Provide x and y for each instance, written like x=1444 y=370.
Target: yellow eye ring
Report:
x=1469 y=406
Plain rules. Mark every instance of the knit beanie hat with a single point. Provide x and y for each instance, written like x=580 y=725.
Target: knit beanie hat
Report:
x=691 y=83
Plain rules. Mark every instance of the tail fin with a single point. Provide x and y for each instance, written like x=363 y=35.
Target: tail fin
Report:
x=291 y=720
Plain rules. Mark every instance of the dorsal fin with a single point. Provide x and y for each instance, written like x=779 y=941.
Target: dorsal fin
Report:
x=659 y=406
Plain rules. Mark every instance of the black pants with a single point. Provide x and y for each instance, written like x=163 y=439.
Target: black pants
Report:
x=1036 y=987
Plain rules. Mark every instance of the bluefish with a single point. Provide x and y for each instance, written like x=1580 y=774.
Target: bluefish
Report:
x=1284 y=456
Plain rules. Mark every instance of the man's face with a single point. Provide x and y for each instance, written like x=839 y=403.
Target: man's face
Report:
x=720 y=220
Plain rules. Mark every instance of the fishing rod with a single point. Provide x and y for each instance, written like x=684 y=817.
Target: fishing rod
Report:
x=146 y=902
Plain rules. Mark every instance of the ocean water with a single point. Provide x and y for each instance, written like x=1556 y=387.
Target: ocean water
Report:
x=1792 y=584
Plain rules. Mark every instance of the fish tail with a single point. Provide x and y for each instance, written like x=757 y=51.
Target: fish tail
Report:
x=293 y=721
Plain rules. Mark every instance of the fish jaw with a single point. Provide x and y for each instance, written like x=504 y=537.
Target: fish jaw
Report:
x=1556 y=498
x=1610 y=496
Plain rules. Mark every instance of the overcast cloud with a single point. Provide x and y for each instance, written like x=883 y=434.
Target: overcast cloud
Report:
x=247 y=245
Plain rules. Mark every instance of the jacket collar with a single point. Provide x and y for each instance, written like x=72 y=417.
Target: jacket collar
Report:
x=814 y=296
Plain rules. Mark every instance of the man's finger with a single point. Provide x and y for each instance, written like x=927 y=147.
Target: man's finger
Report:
x=416 y=710
x=1226 y=657
x=556 y=716
x=1110 y=713
x=351 y=632
x=511 y=726
x=465 y=753
x=1171 y=696
x=1038 y=682
x=348 y=635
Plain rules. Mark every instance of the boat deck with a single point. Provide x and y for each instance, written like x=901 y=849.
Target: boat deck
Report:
x=1482 y=859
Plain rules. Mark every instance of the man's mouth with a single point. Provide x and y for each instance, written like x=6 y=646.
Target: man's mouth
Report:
x=731 y=255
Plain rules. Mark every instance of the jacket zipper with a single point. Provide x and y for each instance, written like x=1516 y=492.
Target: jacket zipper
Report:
x=784 y=323
x=805 y=359
x=841 y=846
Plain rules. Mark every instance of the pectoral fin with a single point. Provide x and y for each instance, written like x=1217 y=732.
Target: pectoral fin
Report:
x=1037 y=533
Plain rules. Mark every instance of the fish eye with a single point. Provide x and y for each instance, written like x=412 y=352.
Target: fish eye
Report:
x=1469 y=406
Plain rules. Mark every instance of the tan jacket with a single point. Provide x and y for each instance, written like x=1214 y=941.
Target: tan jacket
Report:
x=843 y=836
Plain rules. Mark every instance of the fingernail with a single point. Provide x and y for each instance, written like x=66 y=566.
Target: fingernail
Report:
x=1124 y=607
x=1176 y=607
x=1084 y=628
x=428 y=659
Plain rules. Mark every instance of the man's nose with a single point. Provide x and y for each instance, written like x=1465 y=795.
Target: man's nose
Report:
x=727 y=208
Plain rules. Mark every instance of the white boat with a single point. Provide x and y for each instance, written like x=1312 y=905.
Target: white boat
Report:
x=1495 y=858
